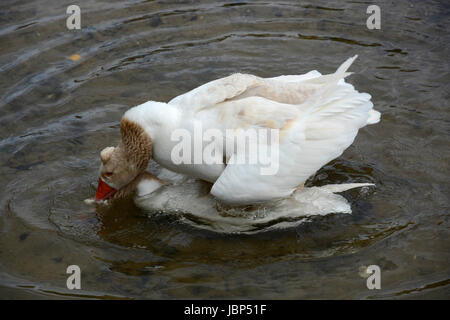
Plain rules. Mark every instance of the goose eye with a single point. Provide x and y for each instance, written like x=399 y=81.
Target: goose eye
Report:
x=108 y=174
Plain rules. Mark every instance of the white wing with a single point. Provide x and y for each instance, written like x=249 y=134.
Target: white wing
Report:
x=283 y=89
x=216 y=91
x=324 y=125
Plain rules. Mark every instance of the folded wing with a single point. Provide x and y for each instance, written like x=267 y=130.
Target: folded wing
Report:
x=317 y=118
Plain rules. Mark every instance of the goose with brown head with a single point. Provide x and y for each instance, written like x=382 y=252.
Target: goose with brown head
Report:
x=123 y=167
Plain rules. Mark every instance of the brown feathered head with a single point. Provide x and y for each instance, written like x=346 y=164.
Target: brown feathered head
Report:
x=123 y=165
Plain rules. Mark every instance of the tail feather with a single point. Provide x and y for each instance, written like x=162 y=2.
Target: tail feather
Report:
x=328 y=92
x=344 y=66
x=374 y=117
x=331 y=118
x=340 y=73
x=338 y=101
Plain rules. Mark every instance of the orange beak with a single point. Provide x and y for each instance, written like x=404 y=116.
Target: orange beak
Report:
x=104 y=191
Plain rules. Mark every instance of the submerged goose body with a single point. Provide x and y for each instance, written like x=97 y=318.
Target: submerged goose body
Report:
x=316 y=118
x=189 y=202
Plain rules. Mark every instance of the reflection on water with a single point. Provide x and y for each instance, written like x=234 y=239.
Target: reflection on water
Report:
x=57 y=113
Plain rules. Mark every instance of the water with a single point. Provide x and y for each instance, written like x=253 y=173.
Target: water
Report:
x=57 y=114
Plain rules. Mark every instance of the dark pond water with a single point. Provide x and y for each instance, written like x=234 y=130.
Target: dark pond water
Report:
x=56 y=114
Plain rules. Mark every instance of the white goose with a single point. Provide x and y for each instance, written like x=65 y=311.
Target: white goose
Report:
x=317 y=117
